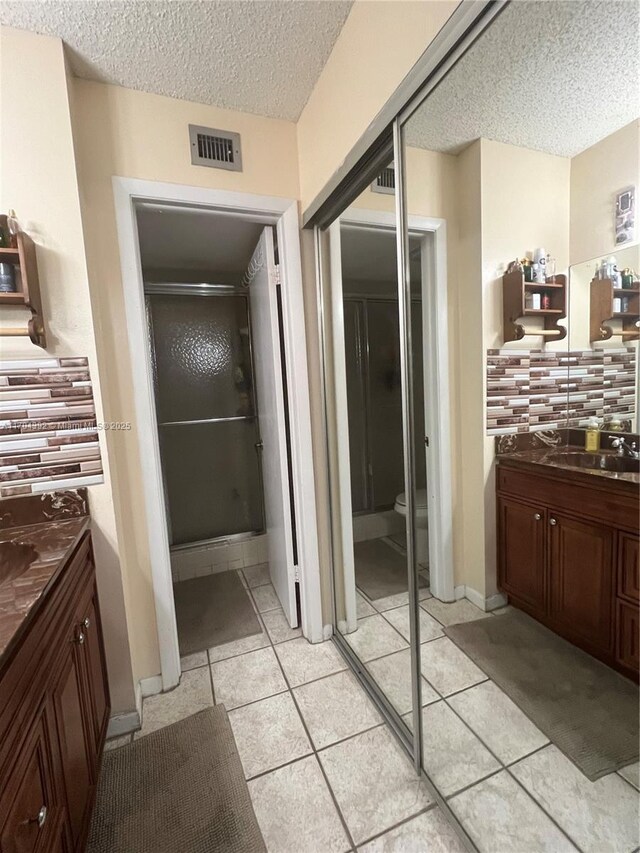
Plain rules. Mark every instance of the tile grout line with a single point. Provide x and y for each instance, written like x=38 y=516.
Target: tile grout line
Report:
x=315 y=752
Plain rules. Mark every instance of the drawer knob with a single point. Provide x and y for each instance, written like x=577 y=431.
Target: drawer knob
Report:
x=42 y=816
x=537 y=516
x=87 y=623
x=80 y=639
x=552 y=521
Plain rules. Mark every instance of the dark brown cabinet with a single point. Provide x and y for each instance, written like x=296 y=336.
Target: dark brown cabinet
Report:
x=54 y=709
x=522 y=552
x=568 y=554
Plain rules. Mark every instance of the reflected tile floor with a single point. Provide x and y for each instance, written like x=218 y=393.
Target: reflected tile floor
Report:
x=318 y=784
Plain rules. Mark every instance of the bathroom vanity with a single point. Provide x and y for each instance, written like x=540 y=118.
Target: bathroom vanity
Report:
x=568 y=547
x=54 y=698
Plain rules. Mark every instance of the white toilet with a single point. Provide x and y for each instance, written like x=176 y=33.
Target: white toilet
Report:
x=422 y=533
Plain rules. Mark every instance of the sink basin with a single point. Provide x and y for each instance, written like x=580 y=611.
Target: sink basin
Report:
x=600 y=462
x=15 y=558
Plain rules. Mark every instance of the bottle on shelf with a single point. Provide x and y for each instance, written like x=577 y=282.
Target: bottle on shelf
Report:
x=592 y=436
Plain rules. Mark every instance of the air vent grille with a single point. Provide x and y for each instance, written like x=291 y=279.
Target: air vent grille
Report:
x=217 y=148
x=385 y=182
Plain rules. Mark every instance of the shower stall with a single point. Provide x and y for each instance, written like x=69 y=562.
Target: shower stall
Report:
x=207 y=411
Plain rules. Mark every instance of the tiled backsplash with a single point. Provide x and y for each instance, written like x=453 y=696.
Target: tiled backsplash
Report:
x=48 y=430
x=530 y=390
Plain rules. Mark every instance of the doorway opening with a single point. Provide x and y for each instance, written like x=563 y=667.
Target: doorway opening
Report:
x=216 y=348
x=215 y=321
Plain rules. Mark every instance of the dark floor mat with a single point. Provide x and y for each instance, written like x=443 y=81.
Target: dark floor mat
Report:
x=213 y=610
x=380 y=569
x=586 y=709
x=181 y=788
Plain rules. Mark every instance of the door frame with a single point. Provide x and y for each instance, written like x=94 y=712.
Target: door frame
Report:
x=282 y=213
x=435 y=342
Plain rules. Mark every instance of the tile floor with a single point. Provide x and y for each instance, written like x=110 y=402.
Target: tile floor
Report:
x=325 y=774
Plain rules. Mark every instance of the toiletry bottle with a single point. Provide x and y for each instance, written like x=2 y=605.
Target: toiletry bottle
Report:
x=592 y=436
x=535 y=301
x=617 y=304
x=546 y=301
x=13 y=227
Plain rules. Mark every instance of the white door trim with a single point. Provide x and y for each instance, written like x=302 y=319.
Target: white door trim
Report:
x=436 y=378
x=283 y=213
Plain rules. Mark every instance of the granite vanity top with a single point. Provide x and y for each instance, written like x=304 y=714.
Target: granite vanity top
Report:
x=31 y=558
x=552 y=458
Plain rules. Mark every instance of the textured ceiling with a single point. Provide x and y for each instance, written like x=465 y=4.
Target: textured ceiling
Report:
x=258 y=57
x=551 y=76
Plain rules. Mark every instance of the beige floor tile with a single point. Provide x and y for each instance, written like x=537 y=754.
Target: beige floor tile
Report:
x=393 y=675
x=447 y=668
x=429 y=832
x=257 y=575
x=268 y=734
x=247 y=678
x=499 y=816
x=193 y=661
x=399 y=618
x=193 y=694
x=453 y=756
x=399 y=599
x=265 y=598
x=632 y=774
x=238 y=647
x=453 y=612
x=117 y=742
x=363 y=608
x=295 y=810
x=375 y=637
x=600 y=816
x=335 y=708
x=303 y=661
x=278 y=626
x=374 y=782
x=498 y=721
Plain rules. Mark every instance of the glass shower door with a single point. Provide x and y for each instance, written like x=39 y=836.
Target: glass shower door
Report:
x=207 y=418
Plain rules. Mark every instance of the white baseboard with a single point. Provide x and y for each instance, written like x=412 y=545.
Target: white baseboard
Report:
x=493 y=602
x=123 y=724
x=150 y=686
x=327 y=632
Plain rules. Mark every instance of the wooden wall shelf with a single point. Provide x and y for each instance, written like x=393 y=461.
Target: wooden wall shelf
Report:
x=601 y=313
x=514 y=291
x=23 y=257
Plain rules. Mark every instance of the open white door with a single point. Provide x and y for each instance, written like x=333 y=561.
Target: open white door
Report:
x=265 y=330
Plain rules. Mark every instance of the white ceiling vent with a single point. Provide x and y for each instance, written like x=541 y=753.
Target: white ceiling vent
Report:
x=385 y=182
x=217 y=148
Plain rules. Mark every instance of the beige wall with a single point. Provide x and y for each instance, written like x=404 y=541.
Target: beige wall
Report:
x=138 y=135
x=596 y=175
x=376 y=48
x=38 y=178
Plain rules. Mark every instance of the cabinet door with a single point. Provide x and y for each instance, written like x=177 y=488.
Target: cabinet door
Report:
x=628 y=628
x=91 y=652
x=30 y=815
x=629 y=567
x=73 y=736
x=581 y=580
x=521 y=553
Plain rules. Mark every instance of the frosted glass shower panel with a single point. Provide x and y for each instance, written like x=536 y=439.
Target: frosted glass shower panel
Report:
x=202 y=357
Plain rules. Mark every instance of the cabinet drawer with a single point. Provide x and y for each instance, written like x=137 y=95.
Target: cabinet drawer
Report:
x=628 y=639
x=29 y=812
x=629 y=567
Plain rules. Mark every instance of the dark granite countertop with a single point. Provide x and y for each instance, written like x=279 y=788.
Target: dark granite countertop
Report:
x=31 y=558
x=555 y=458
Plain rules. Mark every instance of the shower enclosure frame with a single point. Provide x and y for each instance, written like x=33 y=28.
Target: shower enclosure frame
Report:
x=282 y=213
x=209 y=290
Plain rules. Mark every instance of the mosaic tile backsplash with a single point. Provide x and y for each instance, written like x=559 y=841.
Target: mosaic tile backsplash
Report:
x=529 y=390
x=48 y=429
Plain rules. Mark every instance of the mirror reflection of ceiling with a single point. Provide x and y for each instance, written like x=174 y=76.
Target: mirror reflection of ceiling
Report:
x=550 y=76
x=369 y=254
x=186 y=239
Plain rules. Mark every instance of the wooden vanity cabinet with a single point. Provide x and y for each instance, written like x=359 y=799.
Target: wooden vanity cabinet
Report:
x=54 y=710
x=568 y=554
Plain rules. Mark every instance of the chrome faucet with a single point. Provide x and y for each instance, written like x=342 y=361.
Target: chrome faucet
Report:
x=620 y=444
